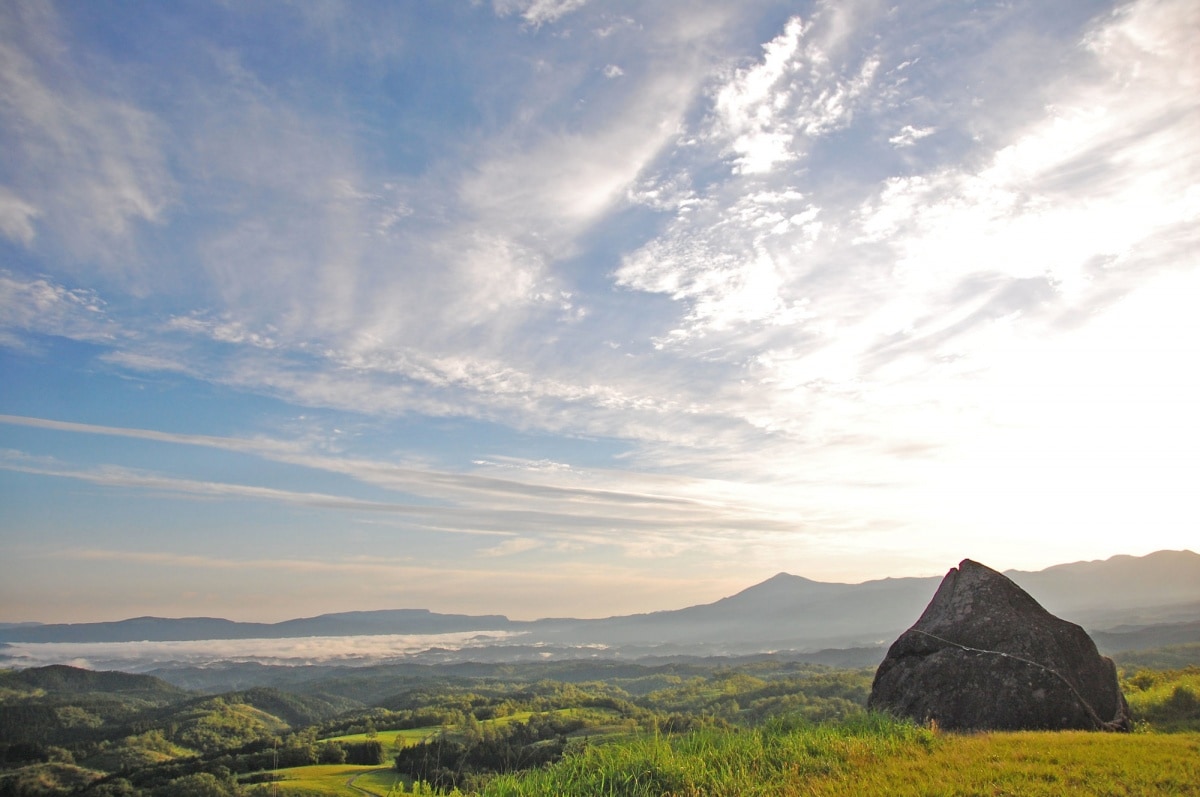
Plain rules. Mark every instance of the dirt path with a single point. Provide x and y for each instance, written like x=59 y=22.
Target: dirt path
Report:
x=350 y=782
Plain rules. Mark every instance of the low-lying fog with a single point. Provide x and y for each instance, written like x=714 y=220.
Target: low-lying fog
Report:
x=299 y=651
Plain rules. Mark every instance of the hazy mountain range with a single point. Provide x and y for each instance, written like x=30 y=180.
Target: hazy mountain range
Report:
x=1126 y=602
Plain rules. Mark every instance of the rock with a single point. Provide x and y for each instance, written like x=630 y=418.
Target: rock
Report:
x=986 y=656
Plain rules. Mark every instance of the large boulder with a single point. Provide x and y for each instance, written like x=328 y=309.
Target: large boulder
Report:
x=986 y=656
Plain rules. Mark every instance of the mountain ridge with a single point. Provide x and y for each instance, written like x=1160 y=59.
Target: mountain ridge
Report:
x=785 y=611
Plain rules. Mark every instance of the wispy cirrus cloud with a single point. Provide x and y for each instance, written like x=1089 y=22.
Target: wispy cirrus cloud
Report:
x=694 y=284
x=373 y=566
x=17 y=217
x=41 y=306
x=796 y=93
x=899 y=267
x=538 y=12
x=585 y=507
x=86 y=163
x=259 y=446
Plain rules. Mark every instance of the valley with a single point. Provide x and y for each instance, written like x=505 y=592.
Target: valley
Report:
x=606 y=709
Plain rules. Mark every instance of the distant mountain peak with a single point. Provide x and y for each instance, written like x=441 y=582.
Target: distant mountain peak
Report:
x=784 y=577
x=779 y=584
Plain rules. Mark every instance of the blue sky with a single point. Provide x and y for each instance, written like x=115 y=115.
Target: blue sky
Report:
x=570 y=307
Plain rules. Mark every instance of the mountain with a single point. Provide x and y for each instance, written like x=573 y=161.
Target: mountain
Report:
x=1161 y=635
x=1156 y=588
x=788 y=612
x=784 y=613
x=161 y=629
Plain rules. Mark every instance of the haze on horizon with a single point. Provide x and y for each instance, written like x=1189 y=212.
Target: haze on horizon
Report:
x=582 y=308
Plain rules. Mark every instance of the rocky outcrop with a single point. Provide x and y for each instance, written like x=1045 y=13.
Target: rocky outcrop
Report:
x=986 y=656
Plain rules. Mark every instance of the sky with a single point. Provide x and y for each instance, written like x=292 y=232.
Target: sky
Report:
x=587 y=307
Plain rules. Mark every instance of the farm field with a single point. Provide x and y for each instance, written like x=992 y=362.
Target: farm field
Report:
x=390 y=739
x=336 y=779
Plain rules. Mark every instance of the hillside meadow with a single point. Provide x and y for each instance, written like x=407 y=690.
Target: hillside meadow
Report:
x=872 y=756
x=751 y=728
x=869 y=755
x=860 y=754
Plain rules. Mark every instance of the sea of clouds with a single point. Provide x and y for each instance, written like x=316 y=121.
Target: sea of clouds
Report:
x=298 y=651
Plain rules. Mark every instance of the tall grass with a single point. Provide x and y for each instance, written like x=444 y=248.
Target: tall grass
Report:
x=1165 y=700
x=776 y=759
x=870 y=755
x=1031 y=764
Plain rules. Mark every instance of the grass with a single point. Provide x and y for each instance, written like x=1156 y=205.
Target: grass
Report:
x=870 y=755
x=1168 y=700
x=776 y=760
x=1030 y=764
x=335 y=780
x=392 y=739
x=866 y=754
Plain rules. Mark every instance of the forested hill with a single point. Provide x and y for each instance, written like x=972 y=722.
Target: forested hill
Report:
x=66 y=680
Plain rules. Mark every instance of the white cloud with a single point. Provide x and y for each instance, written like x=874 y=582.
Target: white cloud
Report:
x=731 y=264
x=747 y=105
x=226 y=330
x=879 y=343
x=1095 y=179
x=765 y=113
x=909 y=135
x=17 y=217
x=43 y=307
x=149 y=362
x=561 y=183
x=89 y=162
x=512 y=546
x=1090 y=183
x=538 y=12
x=816 y=297
x=634 y=511
x=258 y=446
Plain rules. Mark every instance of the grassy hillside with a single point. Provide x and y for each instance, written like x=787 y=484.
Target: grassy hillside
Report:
x=757 y=727
x=335 y=780
x=870 y=756
x=1032 y=765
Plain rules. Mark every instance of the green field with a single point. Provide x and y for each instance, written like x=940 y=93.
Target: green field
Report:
x=391 y=739
x=335 y=779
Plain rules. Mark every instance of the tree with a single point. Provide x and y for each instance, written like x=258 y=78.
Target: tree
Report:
x=117 y=787
x=332 y=753
x=368 y=753
x=199 y=784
